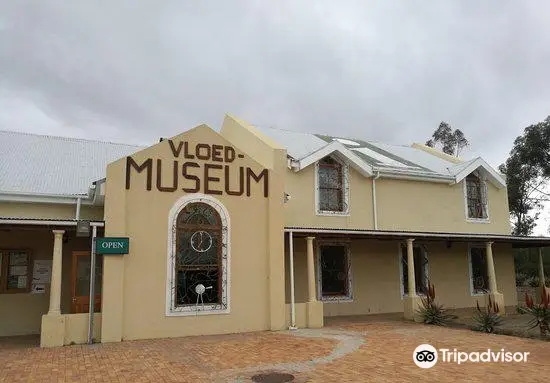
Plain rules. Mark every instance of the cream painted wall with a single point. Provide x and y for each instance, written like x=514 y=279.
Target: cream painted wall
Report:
x=428 y=206
x=449 y=271
x=377 y=282
x=76 y=328
x=134 y=285
x=21 y=314
x=50 y=211
x=401 y=205
x=300 y=209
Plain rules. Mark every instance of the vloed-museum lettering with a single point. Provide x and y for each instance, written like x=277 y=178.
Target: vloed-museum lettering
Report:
x=207 y=177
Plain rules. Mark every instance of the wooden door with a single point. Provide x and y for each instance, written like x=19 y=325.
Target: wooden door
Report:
x=81 y=282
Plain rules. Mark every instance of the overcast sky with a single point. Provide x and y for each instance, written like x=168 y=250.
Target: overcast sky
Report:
x=133 y=71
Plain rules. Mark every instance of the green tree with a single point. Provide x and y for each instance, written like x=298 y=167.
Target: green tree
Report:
x=451 y=141
x=527 y=173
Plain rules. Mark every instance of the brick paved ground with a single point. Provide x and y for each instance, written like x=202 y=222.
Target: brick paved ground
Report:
x=372 y=351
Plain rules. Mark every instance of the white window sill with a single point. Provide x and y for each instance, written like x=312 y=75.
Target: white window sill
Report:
x=187 y=313
x=339 y=299
x=479 y=294
x=332 y=213
x=478 y=220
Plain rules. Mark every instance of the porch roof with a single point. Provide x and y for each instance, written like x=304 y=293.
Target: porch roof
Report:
x=45 y=221
x=516 y=241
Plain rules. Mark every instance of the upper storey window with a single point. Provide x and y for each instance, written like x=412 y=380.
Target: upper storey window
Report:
x=476 y=198
x=332 y=187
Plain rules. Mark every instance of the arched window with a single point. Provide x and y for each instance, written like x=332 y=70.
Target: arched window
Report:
x=199 y=258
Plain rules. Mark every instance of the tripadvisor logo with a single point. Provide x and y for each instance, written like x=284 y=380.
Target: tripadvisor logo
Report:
x=426 y=356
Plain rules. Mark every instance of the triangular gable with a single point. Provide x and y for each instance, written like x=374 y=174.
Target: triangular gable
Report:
x=344 y=153
x=461 y=171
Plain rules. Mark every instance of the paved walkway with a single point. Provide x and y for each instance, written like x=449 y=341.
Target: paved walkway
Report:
x=343 y=352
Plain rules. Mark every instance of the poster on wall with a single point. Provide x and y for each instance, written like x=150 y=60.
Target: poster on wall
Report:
x=42 y=271
x=41 y=275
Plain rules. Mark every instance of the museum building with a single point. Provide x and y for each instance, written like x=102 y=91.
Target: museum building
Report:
x=243 y=229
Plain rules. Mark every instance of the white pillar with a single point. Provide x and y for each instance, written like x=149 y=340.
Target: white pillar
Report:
x=55 y=284
x=310 y=270
x=410 y=268
x=541 y=270
x=491 y=268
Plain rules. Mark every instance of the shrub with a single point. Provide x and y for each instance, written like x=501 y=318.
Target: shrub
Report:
x=433 y=313
x=487 y=320
x=539 y=311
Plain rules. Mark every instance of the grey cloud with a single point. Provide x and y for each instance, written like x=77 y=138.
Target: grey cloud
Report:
x=384 y=70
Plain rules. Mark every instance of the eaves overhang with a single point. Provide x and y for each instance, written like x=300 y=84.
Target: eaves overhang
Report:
x=515 y=241
x=479 y=163
x=88 y=198
x=341 y=151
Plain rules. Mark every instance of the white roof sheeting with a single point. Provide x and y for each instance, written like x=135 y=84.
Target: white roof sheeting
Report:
x=58 y=166
x=384 y=160
x=418 y=156
x=48 y=165
x=381 y=157
x=298 y=145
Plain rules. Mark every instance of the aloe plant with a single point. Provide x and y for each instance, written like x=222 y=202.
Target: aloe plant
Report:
x=433 y=313
x=539 y=311
x=487 y=320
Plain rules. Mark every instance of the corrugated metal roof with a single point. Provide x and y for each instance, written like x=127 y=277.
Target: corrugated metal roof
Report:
x=298 y=145
x=36 y=164
x=380 y=156
x=516 y=241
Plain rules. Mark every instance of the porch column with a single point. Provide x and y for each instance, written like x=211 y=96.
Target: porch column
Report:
x=310 y=271
x=495 y=296
x=55 y=284
x=491 y=268
x=541 y=270
x=412 y=302
x=410 y=268
x=52 y=332
x=314 y=308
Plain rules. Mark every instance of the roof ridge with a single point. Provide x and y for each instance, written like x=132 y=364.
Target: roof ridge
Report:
x=281 y=129
x=331 y=136
x=74 y=139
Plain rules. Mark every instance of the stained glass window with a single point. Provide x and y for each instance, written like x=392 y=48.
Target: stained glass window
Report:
x=198 y=255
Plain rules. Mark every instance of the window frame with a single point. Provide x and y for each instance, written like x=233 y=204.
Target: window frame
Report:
x=218 y=228
x=4 y=269
x=345 y=189
x=484 y=195
x=424 y=250
x=172 y=308
x=473 y=292
x=349 y=280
